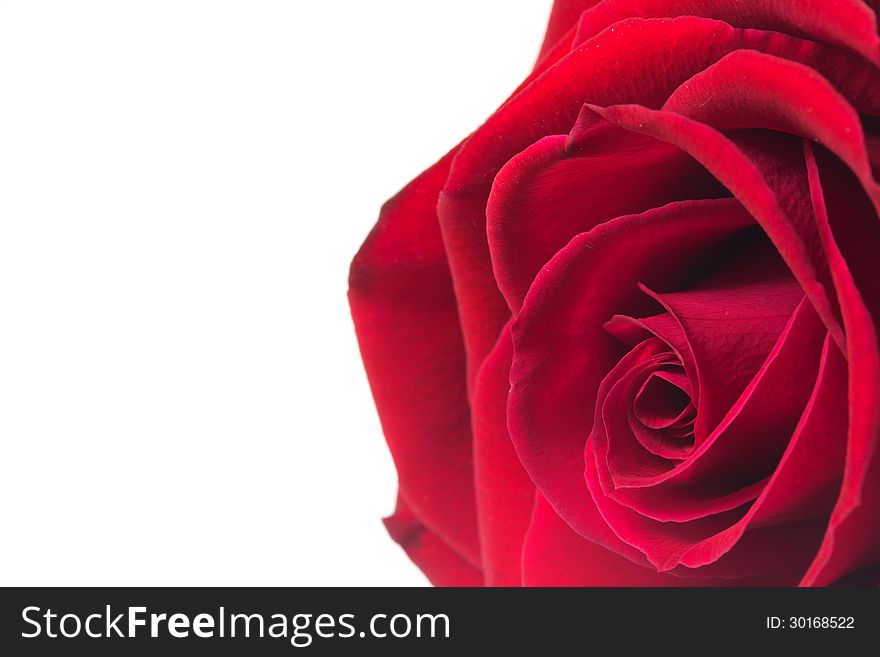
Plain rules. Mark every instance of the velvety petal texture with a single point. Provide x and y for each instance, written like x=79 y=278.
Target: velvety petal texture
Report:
x=505 y=492
x=625 y=334
x=406 y=318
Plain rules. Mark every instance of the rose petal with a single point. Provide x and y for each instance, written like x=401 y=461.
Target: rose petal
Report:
x=549 y=55
x=805 y=482
x=624 y=452
x=793 y=233
x=505 y=493
x=406 y=320
x=664 y=544
x=789 y=497
x=563 y=18
x=640 y=61
x=852 y=539
x=729 y=467
x=555 y=555
x=664 y=326
x=748 y=89
x=847 y=23
x=441 y=564
x=660 y=404
x=808 y=476
x=552 y=191
x=849 y=228
x=562 y=351
x=730 y=330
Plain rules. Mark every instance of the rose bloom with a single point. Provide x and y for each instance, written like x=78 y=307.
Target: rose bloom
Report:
x=625 y=333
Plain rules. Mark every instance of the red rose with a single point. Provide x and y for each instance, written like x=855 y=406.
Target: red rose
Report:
x=626 y=332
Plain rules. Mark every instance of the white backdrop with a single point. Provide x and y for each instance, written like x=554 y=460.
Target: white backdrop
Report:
x=182 y=186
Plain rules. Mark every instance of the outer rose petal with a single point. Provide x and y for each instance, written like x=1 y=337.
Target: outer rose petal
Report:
x=563 y=17
x=505 y=493
x=640 y=61
x=401 y=273
x=441 y=564
x=406 y=320
x=847 y=23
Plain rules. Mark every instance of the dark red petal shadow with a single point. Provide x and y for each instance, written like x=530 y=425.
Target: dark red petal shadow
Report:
x=853 y=536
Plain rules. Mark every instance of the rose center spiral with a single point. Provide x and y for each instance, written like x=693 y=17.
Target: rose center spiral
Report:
x=664 y=403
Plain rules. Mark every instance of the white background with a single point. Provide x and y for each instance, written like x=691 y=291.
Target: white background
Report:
x=182 y=186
